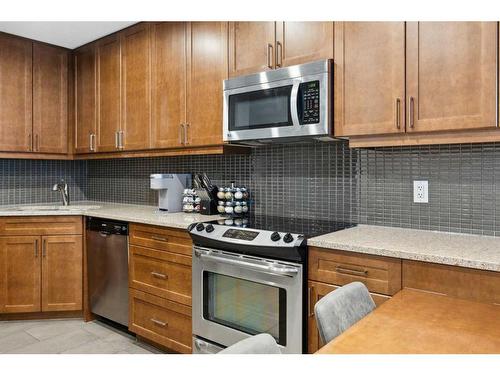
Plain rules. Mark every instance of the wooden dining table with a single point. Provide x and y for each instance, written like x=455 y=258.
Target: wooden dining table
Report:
x=417 y=322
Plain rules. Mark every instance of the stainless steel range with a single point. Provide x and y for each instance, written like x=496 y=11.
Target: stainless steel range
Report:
x=249 y=277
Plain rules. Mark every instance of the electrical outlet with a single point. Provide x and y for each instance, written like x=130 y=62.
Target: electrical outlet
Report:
x=421 y=191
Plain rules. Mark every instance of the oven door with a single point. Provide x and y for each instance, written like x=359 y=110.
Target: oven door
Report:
x=278 y=109
x=236 y=296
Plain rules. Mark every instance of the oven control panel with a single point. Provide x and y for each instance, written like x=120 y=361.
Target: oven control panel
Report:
x=309 y=105
x=239 y=234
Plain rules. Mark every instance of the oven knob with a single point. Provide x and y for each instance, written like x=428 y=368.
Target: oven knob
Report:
x=210 y=228
x=288 y=238
x=275 y=236
x=200 y=227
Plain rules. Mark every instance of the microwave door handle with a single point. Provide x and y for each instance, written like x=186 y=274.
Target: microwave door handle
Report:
x=293 y=103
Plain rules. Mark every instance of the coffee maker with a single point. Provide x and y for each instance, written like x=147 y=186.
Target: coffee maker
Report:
x=170 y=188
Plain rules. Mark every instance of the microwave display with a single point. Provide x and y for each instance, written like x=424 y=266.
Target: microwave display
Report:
x=308 y=103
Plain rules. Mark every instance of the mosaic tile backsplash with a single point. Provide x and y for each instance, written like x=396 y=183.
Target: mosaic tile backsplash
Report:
x=31 y=181
x=323 y=180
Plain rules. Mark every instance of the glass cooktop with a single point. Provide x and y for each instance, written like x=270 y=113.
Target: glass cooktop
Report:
x=307 y=227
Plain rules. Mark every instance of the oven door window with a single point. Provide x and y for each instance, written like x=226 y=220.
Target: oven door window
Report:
x=267 y=108
x=245 y=305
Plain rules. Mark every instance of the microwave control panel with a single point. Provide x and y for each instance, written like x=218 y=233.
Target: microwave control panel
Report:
x=309 y=108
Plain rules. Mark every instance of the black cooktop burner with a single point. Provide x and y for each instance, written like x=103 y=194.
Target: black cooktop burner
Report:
x=307 y=227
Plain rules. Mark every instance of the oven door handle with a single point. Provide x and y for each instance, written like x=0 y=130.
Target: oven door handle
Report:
x=272 y=269
x=293 y=103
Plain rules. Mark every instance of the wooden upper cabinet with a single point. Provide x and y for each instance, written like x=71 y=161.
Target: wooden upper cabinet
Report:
x=251 y=47
x=136 y=87
x=20 y=274
x=15 y=94
x=62 y=270
x=108 y=92
x=369 y=75
x=168 y=67
x=206 y=69
x=451 y=75
x=85 y=99
x=50 y=99
x=302 y=42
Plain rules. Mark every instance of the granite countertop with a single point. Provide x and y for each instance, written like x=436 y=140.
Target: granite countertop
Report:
x=465 y=250
x=116 y=211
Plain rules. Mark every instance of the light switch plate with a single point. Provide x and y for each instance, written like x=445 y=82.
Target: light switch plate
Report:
x=421 y=191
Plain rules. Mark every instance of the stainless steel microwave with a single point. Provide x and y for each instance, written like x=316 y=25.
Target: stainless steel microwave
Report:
x=287 y=104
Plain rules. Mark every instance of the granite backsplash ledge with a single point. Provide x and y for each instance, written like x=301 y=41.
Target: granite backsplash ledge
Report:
x=320 y=180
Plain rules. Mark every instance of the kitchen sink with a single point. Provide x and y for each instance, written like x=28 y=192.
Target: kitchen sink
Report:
x=50 y=208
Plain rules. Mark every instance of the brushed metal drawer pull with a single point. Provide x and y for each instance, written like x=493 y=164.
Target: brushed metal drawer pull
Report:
x=310 y=311
x=159 y=275
x=349 y=271
x=159 y=322
x=398 y=113
x=158 y=238
x=269 y=55
x=411 y=110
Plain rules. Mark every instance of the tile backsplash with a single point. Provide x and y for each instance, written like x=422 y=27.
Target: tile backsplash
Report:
x=31 y=181
x=325 y=180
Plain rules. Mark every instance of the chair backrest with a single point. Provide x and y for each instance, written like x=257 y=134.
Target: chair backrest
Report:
x=340 y=309
x=263 y=343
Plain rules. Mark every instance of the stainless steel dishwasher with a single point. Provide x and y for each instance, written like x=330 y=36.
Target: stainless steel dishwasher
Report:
x=107 y=264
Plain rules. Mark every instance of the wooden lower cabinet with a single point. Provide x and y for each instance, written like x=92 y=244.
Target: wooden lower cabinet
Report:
x=40 y=273
x=20 y=272
x=160 y=286
x=162 y=321
x=317 y=291
x=62 y=273
x=453 y=281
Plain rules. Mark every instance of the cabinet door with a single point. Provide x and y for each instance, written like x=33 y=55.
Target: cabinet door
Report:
x=168 y=83
x=108 y=93
x=50 y=99
x=15 y=94
x=62 y=273
x=451 y=75
x=303 y=42
x=369 y=78
x=316 y=291
x=20 y=274
x=207 y=68
x=251 y=47
x=136 y=87
x=85 y=99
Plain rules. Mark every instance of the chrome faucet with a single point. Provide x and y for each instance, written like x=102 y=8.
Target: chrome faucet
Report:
x=62 y=187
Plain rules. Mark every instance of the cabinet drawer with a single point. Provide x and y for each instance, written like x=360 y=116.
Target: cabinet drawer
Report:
x=161 y=273
x=160 y=238
x=379 y=274
x=453 y=281
x=40 y=225
x=159 y=320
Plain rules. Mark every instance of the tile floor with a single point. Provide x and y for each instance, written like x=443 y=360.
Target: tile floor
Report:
x=71 y=336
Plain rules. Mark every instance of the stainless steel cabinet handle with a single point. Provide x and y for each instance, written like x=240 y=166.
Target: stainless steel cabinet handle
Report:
x=310 y=311
x=186 y=138
x=279 y=54
x=159 y=322
x=92 y=142
x=121 y=143
x=398 y=113
x=349 y=271
x=411 y=105
x=36 y=248
x=159 y=238
x=159 y=275
x=181 y=134
x=269 y=55
x=116 y=140
x=44 y=248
